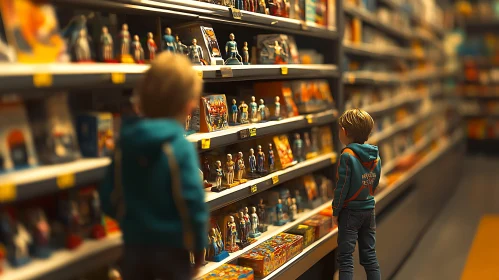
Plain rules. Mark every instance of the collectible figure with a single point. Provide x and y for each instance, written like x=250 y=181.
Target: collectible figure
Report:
x=246 y=58
x=40 y=231
x=168 y=41
x=16 y=240
x=262 y=7
x=298 y=148
x=151 y=46
x=261 y=160
x=125 y=40
x=276 y=7
x=229 y=172
x=233 y=57
x=195 y=52
x=138 y=51
x=254 y=224
x=293 y=210
x=307 y=144
x=179 y=47
x=279 y=213
x=206 y=169
x=218 y=181
x=235 y=111
x=262 y=227
x=106 y=41
x=277 y=110
x=252 y=162
x=298 y=199
x=82 y=46
x=262 y=109
x=239 y=4
x=240 y=168
x=216 y=250
x=253 y=110
x=243 y=231
x=280 y=55
x=247 y=219
x=271 y=158
x=230 y=243
x=243 y=108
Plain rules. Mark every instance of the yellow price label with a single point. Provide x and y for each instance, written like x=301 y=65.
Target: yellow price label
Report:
x=8 y=192
x=252 y=132
x=205 y=144
x=275 y=180
x=351 y=78
x=200 y=73
x=254 y=188
x=118 y=78
x=284 y=70
x=65 y=181
x=42 y=80
x=309 y=119
x=302 y=227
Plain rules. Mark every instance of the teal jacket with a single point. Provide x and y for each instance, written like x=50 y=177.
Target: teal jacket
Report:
x=161 y=195
x=357 y=176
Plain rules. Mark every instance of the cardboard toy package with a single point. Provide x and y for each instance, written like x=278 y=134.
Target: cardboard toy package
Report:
x=322 y=225
x=269 y=90
x=312 y=96
x=229 y=272
x=214 y=113
x=285 y=155
x=293 y=243
x=307 y=232
x=95 y=134
x=264 y=258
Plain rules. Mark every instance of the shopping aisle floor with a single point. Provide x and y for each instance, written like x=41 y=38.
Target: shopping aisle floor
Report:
x=443 y=251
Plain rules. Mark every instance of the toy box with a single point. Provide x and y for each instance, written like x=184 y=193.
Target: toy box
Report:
x=269 y=90
x=322 y=225
x=16 y=143
x=328 y=212
x=312 y=194
x=264 y=258
x=311 y=96
x=213 y=113
x=229 y=272
x=95 y=134
x=293 y=243
x=276 y=49
x=307 y=232
x=326 y=139
x=205 y=36
x=285 y=155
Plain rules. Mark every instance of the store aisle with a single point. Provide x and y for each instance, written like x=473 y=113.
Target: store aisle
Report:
x=443 y=251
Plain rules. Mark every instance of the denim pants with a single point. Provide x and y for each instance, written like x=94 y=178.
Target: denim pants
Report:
x=357 y=225
x=155 y=263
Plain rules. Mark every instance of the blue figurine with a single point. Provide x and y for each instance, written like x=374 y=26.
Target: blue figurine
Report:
x=169 y=40
x=239 y=4
x=217 y=246
x=235 y=111
x=253 y=110
x=271 y=158
x=279 y=213
x=261 y=160
x=233 y=57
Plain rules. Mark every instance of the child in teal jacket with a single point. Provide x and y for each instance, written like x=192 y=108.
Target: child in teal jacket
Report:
x=153 y=186
x=358 y=173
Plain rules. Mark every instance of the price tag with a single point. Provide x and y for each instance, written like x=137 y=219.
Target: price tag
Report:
x=235 y=13
x=253 y=189
x=42 y=80
x=284 y=70
x=118 y=78
x=310 y=119
x=65 y=181
x=205 y=144
x=8 y=192
x=244 y=133
x=275 y=180
x=200 y=73
x=252 y=132
x=351 y=78
x=226 y=72
x=302 y=226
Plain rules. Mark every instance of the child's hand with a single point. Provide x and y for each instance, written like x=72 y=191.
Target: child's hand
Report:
x=335 y=221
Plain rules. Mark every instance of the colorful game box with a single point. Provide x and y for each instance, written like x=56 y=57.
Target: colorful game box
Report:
x=229 y=272
x=95 y=134
x=205 y=36
x=307 y=232
x=263 y=259
x=285 y=155
x=311 y=96
x=269 y=90
x=322 y=225
x=277 y=49
x=293 y=243
x=214 y=113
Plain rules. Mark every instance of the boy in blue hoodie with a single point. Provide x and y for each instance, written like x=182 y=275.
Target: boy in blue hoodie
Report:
x=153 y=186
x=358 y=175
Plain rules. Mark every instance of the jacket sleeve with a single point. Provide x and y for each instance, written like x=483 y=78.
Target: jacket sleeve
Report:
x=342 y=183
x=105 y=190
x=194 y=195
x=378 y=174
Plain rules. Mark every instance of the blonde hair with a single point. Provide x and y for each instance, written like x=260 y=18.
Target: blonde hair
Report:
x=358 y=124
x=168 y=86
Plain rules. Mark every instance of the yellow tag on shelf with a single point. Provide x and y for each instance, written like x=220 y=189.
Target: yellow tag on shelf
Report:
x=42 y=80
x=284 y=70
x=65 y=181
x=252 y=132
x=118 y=78
x=309 y=119
x=351 y=78
x=254 y=188
x=275 y=180
x=200 y=73
x=8 y=192
x=205 y=144
x=302 y=226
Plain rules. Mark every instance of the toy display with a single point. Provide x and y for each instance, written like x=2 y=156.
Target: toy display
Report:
x=246 y=57
x=243 y=231
x=293 y=243
x=277 y=109
x=195 y=53
x=218 y=178
x=282 y=97
x=229 y=272
x=308 y=233
x=40 y=231
x=276 y=49
x=260 y=165
x=263 y=111
x=240 y=168
x=311 y=96
x=326 y=139
x=255 y=232
x=106 y=42
x=293 y=210
x=313 y=199
x=262 y=217
x=229 y=172
x=71 y=219
x=17 y=150
x=95 y=134
x=125 y=45
x=206 y=43
x=216 y=250
x=253 y=110
x=252 y=163
x=234 y=112
x=322 y=225
x=298 y=148
x=169 y=41
x=299 y=201
x=271 y=159
x=179 y=47
x=82 y=46
x=214 y=113
x=16 y=240
x=233 y=57
x=230 y=242
x=280 y=214
x=285 y=155
x=34 y=41
x=138 y=51
x=243 y=108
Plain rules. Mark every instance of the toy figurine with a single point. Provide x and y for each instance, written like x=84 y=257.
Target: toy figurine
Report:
x=254 y=224
x=253 y=110
x=262 y=7
x=298 y=148
x=230 y=243
x=125 y=40
x=262 y=109
x=279 y=213
x=168 y=41
x=252 y=163
x=262 y=217
x=151 y=46
x=243 y=108
x=229 y=172
x=16 y=240
x=246 y=54
x=239 y=4
x=261 y=160
x=179 y=47
x=277 y=111
x=233 y=57
x=188 y=122
x=293 y=210
x=216 y=245
x=276 y=8
x=138 y=51
x=106 y=41
x=82 y=47
x=243 y=231
x=271 y=158
x=298 y=200
x=195 y=52
x=40 y=230
x=280 y=56
x=219 y=174
x=235 y=111
x=240 y=168
x=247 y=219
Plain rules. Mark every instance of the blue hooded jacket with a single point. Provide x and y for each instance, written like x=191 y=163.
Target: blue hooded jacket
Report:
x=162 y=191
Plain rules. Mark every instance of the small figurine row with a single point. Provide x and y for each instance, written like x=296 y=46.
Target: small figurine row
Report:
x=273 y=7
x=257 y=112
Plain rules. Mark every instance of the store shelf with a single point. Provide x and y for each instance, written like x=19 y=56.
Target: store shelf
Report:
x=67 y=264
x=481 y=97
x=15 y=76
x=219 y=200
x=376 y=52
x=231 y=135
x=390 y=104
x=272 y=231
x=370 y=78
x=38 y=181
